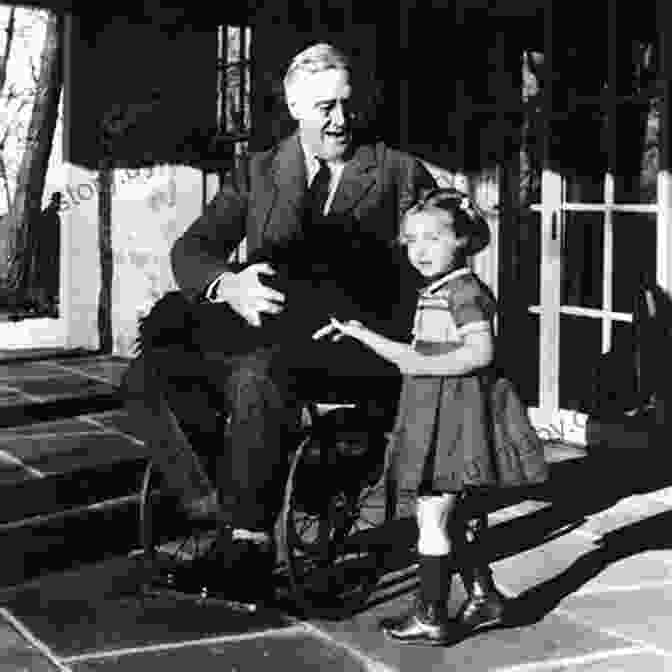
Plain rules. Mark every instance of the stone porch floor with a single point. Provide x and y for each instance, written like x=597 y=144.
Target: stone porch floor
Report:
x=587 y=562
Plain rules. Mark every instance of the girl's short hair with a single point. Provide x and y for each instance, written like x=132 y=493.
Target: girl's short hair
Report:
x=467 y=220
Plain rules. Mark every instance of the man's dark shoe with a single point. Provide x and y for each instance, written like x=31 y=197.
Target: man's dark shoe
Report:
x=425 y=624
x=239 y=570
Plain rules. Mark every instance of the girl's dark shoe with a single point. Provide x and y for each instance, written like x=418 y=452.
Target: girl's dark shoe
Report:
x=427 y=623
x=484 y=606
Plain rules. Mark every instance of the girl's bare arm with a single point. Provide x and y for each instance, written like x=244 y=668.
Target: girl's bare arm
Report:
x=476 y=352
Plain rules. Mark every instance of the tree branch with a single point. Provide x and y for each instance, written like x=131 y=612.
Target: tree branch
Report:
x=8 y=47
x=5 y=183
x=35 y=75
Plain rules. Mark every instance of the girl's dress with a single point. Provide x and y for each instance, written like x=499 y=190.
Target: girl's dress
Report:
x=442 y=435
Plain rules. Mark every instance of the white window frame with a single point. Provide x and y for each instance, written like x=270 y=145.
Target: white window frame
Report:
x=550 y=419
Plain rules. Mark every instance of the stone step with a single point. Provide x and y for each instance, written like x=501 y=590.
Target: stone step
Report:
x=46 y=389
x=51 y=467
x=60 y=543
x=70 y=491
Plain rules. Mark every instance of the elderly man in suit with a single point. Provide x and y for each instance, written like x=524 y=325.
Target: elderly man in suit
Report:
x=336 y=200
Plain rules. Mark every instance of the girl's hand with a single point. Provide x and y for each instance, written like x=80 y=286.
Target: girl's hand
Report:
x=324 y=331
x=338 y=329
x=351 y=328
x=390 y=350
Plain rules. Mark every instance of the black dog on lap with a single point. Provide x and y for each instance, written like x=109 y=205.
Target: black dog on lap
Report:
x=319 y=282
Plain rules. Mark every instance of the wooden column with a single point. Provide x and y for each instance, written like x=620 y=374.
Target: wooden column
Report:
x=506 y=241
x=664 y=221
x=105 y=177
x=664 y=235
x=551 y=240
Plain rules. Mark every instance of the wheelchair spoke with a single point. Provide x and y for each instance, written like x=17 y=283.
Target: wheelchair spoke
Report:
x=304 y=526
x=333 y=503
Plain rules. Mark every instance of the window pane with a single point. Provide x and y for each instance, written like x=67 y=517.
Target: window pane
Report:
x=582 y=259
x=233 y=44
x=532 y=146
x=248 y=44
x=622 y=334
x=580 y=348
x=582 y=152
x=529 y=257
x=233 y=120
x=636 y=122
x=586 y=151
x=582 y=187
x=622 y=383
x=247 y=86
x=579 y=146
x=637 y=152
x=525 y=371
x=634 y=254
x=237 y=80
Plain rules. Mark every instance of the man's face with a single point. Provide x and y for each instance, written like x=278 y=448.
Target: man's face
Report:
x=320 y=102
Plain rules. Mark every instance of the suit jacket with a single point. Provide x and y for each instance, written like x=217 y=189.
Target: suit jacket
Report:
x=347 y=265
x=377 y=185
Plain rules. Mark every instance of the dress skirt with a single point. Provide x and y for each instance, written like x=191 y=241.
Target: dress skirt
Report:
x=442 y=438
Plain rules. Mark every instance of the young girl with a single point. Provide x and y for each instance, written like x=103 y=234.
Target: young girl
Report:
x=442 y=432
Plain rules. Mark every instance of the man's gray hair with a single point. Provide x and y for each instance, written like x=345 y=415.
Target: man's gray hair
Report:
x=316 y=58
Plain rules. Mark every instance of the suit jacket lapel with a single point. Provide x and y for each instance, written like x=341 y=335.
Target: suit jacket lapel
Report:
x=281 y=210
x=289 y=171
x=281 y=203
x=358 y=177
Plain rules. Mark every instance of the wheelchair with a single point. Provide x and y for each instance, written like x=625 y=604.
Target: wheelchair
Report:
x=339 y=494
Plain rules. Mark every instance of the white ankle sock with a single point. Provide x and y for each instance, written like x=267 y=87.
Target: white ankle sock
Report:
x=432 y=516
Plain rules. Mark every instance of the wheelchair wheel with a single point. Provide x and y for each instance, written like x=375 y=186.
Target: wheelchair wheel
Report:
x=170 y=542
x=332 y=534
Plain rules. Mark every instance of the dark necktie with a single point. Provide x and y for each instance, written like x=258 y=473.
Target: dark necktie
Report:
x=317 y=193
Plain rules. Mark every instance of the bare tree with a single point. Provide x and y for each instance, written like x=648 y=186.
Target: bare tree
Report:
x=26 y=205
x=4 y=177
x=9 y=39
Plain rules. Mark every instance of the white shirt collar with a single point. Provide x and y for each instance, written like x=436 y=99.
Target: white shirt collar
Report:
x=312 y=166
x=446 y=278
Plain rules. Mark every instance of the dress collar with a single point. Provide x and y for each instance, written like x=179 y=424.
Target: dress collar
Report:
x=437 y=284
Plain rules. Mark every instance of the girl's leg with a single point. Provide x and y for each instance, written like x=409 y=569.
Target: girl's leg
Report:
x=434 y=514
x=484 y=606
x=428 y=622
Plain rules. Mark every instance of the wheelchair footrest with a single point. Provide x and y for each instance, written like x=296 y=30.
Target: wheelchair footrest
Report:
x=202 y=598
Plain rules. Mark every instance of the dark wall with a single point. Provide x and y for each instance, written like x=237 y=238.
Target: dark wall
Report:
x=167 y=76
x=462 y=71
x=422 y=72
x=419 y=92
x=167 y=73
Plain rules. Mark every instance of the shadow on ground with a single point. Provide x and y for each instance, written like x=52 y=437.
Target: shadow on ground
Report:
x=577 y=489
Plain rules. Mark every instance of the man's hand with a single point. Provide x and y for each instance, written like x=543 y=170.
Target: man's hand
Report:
x=248 y=296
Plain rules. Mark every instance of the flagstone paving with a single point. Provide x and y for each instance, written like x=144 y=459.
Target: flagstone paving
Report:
x=586 y=561
x=17 y=654
x=579 y=601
